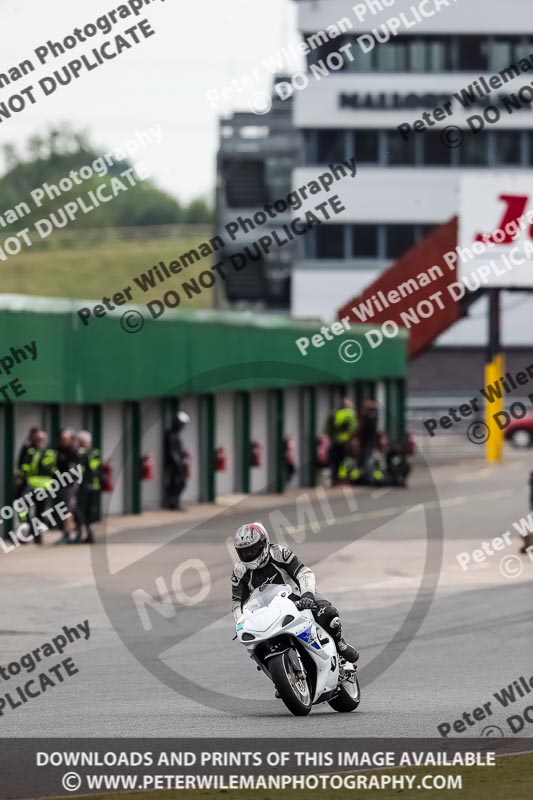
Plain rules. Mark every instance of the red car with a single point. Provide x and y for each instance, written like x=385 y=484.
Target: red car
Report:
x=519 y=432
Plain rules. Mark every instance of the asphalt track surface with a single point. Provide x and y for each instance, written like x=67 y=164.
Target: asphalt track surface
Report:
x=455 y=650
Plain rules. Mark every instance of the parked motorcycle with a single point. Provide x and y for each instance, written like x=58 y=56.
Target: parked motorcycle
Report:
x=298 y=656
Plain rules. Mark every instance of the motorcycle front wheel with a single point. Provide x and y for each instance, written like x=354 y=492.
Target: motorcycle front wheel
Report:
x=293 y=689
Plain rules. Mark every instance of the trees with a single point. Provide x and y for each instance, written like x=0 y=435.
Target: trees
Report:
x=53 y=155
x=10 y=155
x=198 y=212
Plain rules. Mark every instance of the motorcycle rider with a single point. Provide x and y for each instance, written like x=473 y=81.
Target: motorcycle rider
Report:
x=261 y=562
x=175 y=477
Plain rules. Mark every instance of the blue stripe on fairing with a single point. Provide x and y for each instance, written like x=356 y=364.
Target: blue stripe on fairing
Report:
x=306 y=636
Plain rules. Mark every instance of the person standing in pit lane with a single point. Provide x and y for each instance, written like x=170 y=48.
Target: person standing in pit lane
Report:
x=67 y=458
x=90 y=487
x=174 y=466
x=341 y=427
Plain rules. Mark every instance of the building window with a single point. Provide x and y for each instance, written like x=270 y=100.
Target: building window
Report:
x=364 y=241
x=495 y=148
x=431 y=53
x=434 y=151
x=369 y=242
x=438 y=54
x=309 y=139
x=363 y=62
x=330 y=241
x=330 y=146
x=474 y=150
x=321 y=50
x=473 y=53
x=523 y=48
x=398 y=150
x=417 y=54
x=398 y=239
x=366 y=146
x=501 y=53
x=394 y=57
x=507 y=147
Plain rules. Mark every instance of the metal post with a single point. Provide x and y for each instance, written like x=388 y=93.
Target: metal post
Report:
x=494 y=346
x=494 y=369
x=7 y=442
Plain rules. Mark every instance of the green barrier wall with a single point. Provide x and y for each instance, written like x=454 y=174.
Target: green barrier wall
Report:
x=102 y=362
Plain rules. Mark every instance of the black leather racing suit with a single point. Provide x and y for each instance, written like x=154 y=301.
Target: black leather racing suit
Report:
x=283 y=566
x=174 y=467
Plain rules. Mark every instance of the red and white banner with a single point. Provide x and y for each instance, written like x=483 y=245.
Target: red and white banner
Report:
x=496 y=229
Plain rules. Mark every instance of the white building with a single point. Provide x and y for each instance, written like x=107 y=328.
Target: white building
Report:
x=405 y=188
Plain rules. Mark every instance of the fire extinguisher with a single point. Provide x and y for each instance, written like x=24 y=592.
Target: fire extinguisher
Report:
x=289 y=450
x=187 y=463
x=106 y=479
x=290 y=465
x=255 y=454
x=147 y=467
x=322 y=451
x=220 y=459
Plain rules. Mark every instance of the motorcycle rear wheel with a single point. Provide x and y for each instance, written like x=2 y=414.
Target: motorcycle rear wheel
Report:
x=348 y=697
x=294 y=691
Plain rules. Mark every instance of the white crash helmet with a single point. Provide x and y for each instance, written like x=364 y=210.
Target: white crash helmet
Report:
x=252 y=545
x=181 y=420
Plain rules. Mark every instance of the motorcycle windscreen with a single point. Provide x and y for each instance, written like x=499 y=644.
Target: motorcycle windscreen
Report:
x=264 y=595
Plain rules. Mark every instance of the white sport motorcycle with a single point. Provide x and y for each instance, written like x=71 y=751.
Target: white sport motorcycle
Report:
x=298 y=656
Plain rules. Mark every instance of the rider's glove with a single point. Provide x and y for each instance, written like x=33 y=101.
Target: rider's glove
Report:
x=307 y=600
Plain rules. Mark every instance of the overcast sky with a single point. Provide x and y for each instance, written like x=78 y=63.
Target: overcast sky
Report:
x=198 y=46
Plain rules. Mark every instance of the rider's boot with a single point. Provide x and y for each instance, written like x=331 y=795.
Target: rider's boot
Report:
x=344 y=649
